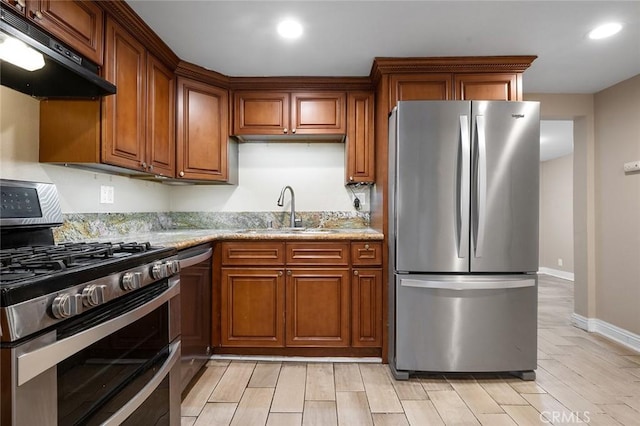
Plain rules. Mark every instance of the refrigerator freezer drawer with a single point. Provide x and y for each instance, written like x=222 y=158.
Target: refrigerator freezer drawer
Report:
x=466 y=323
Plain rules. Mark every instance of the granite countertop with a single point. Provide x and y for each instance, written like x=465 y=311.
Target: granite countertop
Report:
x=185 y=238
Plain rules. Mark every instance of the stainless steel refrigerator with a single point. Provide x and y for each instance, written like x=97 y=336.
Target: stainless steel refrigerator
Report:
x=463 y=225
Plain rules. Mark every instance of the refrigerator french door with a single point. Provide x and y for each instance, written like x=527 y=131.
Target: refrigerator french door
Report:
x=464 y=235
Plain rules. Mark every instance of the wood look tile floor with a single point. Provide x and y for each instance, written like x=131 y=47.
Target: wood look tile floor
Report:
x=582 y=378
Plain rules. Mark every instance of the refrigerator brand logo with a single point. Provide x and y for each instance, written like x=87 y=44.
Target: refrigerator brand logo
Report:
x=517 y=115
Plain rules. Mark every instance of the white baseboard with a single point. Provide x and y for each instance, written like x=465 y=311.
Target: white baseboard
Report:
x=274 y=358
x=556 y=273
x=610 y=331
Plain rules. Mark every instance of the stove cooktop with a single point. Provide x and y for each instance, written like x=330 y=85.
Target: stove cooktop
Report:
x=30 y=272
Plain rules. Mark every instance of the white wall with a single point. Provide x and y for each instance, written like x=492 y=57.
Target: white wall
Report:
x=314 y=170
x=556 y=213
x=79 y=190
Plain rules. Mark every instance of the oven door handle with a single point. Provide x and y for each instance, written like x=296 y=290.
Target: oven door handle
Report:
x=194 y=258
x=130 y=407
x=31 y=364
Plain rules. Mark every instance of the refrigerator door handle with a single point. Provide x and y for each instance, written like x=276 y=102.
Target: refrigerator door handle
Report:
x=464 y=187
x=481 y=185
x=468 y=285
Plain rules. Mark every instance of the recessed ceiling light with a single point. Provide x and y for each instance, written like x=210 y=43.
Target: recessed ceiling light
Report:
x=290 y=29
x=604 y=31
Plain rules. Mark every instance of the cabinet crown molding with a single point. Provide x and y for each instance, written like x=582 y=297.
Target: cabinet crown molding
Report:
x=453 y=64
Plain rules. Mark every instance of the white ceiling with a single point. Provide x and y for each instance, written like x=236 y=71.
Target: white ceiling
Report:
x=341 y=38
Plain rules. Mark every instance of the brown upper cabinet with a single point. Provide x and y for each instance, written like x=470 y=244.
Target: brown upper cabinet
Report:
x=138 y=121
x=132 y=131
x=453 y=78
x=488 y=87
x=411 y=87
x=79 y=24
x=360 y=156
x=203 y=132
x=274 y=113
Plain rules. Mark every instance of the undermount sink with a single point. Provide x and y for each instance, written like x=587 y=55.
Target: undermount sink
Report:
x=286 y=231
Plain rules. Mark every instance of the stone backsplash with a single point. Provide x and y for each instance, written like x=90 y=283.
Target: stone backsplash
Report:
x=83 y=226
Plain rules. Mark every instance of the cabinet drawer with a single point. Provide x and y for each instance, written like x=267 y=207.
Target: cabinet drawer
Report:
x=253 y=253
x=366 y=253
x=320 y=253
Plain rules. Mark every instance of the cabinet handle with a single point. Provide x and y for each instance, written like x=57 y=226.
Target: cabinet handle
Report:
x=279 y=273
x=289 y=272
x=366 y=246
x=181 y=174
x=285 y=130
x=37 y=15
x=355 y=273
x=294 y=130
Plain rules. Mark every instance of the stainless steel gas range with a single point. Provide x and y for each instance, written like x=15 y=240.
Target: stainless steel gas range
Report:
x=89 y=332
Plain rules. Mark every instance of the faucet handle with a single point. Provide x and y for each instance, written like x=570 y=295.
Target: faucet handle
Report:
x=269 y=224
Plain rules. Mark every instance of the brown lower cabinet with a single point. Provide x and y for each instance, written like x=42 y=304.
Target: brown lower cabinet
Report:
x=317 y=309
x=293 y=294
x=252 y=307
x=195 y=311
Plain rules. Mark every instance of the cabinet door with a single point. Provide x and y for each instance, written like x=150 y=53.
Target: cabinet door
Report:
x=318 y=113
x=76 y=23
x=420 y=87
x=366 y=307
x=317 y=308
x=123 y=115
x=203 y=135
x=252 y=307
x=360 y=166
x=261 y=113
x=488 y=87
x=161 y=118
x=195 y=316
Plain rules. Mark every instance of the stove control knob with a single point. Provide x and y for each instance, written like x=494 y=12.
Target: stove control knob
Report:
x=173 y=266
x=131 y=281
x=159 y=271
x=93 y=295
x=66 y=305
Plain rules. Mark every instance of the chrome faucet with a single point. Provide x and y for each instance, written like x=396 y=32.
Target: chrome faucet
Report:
x=293 y=204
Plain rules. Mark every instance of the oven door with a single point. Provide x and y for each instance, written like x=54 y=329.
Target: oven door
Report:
x=117 y=365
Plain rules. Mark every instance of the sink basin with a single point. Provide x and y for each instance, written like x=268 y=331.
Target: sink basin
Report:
x=286 y=231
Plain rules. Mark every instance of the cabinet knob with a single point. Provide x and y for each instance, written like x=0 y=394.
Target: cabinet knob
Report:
x=355 y=273
x=181 y=174
x=143 y=165
x=294 y=130
x=150 y=166
x=279 y=273
x=366 y=246
x=289 y=272
x=38 y=15
x=20 y=4
x=351 y=178
x=285 y=130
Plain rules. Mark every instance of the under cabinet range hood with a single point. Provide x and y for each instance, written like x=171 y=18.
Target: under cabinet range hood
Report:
x=58 y=71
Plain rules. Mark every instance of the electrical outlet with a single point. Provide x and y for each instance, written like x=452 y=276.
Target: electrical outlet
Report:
x=632 y=166
x=560 y=261
x=363 y=197
x=106 y=194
